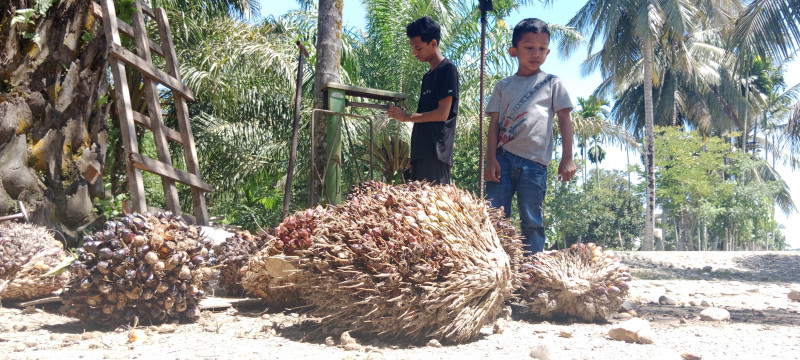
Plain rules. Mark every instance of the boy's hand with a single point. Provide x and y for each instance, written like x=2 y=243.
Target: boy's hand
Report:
x=395 y=112
x=492 y=171
x=566 y=169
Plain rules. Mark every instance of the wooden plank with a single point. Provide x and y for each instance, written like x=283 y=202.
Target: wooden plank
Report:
x=369 y=93
x=151 y=95
x=127 y=127
x=127 y=30
x=147 y=69
x=158 y=168
x=144 y=121
x=182 y=112
x=144 y=8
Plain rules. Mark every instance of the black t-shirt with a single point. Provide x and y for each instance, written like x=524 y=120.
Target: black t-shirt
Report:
x=435 y=139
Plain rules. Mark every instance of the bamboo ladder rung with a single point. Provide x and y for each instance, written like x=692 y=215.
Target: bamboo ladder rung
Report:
x=150 y=71
x=156 y=167
x=127 y=30
x=145 y=122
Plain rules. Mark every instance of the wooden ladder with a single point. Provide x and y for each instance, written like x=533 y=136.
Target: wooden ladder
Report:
x=142 y=61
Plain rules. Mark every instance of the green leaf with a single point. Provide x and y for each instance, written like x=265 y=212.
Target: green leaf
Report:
x=42 y=6
x=24 y=16
x=62 y=266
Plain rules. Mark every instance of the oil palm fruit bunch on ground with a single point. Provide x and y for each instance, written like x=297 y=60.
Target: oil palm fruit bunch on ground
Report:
x=506 y=230
x=233 y=254
x=270 y=274
x=410 y=261
x=582 y=282
x=27 y=253
x=150 y=266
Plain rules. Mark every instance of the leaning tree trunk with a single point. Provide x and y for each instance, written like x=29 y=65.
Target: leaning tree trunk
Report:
x=329 y=52
x=52 y=131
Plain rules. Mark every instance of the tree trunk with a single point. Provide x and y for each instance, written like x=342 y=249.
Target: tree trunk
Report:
x=647 y=245
x=52 y=131
x=329 y=52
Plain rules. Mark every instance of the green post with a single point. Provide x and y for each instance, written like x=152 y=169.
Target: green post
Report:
x=333 y=177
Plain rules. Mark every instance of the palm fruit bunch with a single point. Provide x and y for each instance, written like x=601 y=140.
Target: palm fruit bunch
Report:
x=512 y=241
x=152 y=266
x=409 y=261
x=582 y=282
x=232 y=254
x=27 y=254
x=269 y=273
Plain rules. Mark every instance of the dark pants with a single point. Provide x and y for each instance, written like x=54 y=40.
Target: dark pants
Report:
x=430 y=170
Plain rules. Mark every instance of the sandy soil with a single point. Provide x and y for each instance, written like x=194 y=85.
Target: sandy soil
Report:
x=753 y=287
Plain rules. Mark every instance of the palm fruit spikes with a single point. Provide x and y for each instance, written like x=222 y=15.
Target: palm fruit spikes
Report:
x=410 y=261
x=269 y=273
x=582 y=282
x=150 y=266
x=27 y=254
x=232 y=255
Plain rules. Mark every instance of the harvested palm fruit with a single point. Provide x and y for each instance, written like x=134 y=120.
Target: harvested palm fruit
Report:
x=270 y=274
x=27 y=253
x=410 y=261
x=232 y=255
x=512 y=241
x=582 y=282
x=150 y=266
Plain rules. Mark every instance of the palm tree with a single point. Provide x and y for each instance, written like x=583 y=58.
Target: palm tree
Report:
x=629 y=31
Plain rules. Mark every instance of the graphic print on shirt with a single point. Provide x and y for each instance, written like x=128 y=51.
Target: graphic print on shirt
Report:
x=512 y=120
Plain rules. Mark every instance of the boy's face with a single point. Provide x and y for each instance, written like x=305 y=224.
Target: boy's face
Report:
x=422 y=51
x=531 y=52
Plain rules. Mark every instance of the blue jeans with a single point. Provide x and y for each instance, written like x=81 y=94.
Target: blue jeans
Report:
x=528 y=179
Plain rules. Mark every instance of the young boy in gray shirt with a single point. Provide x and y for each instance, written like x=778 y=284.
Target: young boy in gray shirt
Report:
x=520 y=140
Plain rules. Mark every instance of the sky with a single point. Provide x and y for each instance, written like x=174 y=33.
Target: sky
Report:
x=579 y=86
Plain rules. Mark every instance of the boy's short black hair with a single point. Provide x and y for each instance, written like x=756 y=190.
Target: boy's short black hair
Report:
x=425 y=28
x=529 y=25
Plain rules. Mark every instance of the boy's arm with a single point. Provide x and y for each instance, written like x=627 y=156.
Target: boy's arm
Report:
x=566 y=168
x=440 y=114
x=492 y=171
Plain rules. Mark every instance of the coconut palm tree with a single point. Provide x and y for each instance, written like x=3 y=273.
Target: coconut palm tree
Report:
x=630 y=31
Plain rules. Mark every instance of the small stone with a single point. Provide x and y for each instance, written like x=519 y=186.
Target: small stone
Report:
x=794 y=295
x=683 y=321
x=688 y=356
x=633 y=331
x=329 y=341
x=540 y=352
x=20 y=347
x=565 y=334
x=352 y=347
x=754 y=290
x=707 y=268
x=90 y=335
x=95 y=345
x=346 y=339
x=499 y=326
x=621 y=316
x=628 y=306
x=20 y=327
x=29 y=310
x=705 y=303
x=666 y=300
x=72 y=337
x=434 y=343
x=715 y=314
x=55 y=337
x=693 y=303
x=167 y=329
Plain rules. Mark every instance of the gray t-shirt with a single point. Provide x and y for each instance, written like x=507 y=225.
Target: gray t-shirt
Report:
x=528 y=131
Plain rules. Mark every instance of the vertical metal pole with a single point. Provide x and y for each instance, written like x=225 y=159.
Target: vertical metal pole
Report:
x=485 y=5
x=287 y=193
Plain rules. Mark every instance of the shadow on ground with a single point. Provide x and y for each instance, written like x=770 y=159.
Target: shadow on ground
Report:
x=770 y=267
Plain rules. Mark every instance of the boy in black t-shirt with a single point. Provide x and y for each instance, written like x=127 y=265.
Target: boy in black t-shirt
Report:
x=435 y=119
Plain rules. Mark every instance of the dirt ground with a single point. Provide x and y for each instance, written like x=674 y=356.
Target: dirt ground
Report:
x=764 y=323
